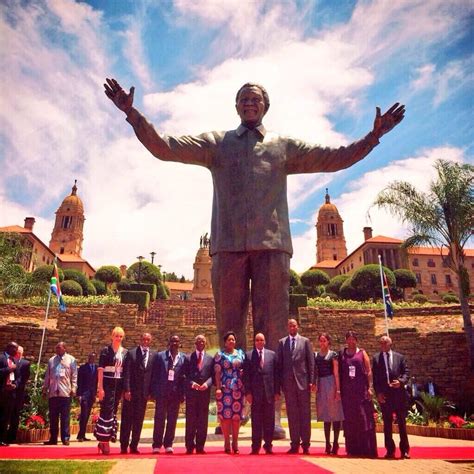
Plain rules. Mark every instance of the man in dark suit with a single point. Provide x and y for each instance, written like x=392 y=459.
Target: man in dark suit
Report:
x=296 y=363
x=136 y=385
x=390 y=373
x=167 y=388
x=86 y=391
x=431 y=388
x=261 y=382
x=8 y=385
x=23 y=369
x=198 y=394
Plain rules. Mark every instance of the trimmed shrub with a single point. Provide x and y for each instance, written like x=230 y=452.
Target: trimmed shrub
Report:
x=404 y=278
x=123 y=284
x=141 y=298
x=71 y=288
x=295 y=279
x=335 y=283
x=297 y=301
x=91 y=291
x=149 y=273
x=44 y=272
x=162 y=291
x=450 y=298
x=108 y=274
x=366 y=281
x=314 y=278
x=79 y=277
x=100 y=287
x=152 y=289
x=419 y=298
x=346 y=291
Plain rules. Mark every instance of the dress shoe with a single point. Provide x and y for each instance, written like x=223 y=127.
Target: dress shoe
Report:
x=66 y=442
x=189 y=451
x=134 y=451
x=200 y=451
x=169 y=450
x=255 y=451
x=269 y=451
x=156 y=451
x=86 y=439
x=335 y=448
x=292 y=451
x=306 y=451
x=123 y=450
x=389 y=456
x=50 y=443
x=4 y=444
x=405 y=456
x=328 y=448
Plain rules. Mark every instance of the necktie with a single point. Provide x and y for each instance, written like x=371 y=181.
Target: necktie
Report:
x=145 y=357
x=200 y=360
x=260 y=358
x=293 y=342
x=387 y=365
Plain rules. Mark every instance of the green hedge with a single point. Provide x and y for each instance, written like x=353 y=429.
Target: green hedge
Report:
x=297 y=301
x=141 y=298
x=150 y=287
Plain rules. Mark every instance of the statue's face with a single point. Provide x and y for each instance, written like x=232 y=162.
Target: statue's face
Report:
x=250 y=106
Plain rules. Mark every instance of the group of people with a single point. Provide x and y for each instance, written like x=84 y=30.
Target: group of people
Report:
x=344 y=383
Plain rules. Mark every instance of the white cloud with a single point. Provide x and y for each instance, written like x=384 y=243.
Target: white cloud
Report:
x=56 y=125
x=443 y=83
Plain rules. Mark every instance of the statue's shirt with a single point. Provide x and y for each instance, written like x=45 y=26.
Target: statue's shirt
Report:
x=249 y=170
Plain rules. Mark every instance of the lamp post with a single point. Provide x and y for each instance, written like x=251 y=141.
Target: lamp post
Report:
x=152 y=256
x=140 y=258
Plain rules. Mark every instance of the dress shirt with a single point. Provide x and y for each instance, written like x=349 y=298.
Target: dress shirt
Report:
x=248 y=167
x=61 y=376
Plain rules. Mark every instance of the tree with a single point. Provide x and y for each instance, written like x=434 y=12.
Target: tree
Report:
x=108 y=274
x=100 y=287
x=296 y=286
x=171 y=276
x=404 y=279
x=443 y=217
x=44 y=272
x=312 y=279
x=366 y=281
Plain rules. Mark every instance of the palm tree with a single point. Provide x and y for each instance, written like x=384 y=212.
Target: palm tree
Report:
x=443 y=217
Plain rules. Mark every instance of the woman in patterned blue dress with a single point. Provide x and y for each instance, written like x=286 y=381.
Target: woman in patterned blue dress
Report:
x=228 y=364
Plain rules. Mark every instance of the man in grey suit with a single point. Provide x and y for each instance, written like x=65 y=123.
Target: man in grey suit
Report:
x=261 y=375
x=296 y=362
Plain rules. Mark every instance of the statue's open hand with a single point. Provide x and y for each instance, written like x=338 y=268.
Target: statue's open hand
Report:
x=384 y=123
x=123 y=101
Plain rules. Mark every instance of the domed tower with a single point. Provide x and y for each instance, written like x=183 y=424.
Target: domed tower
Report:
x=68 y=234
x=330 y=241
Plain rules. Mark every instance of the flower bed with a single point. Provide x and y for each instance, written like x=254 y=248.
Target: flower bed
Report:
x=434 y=431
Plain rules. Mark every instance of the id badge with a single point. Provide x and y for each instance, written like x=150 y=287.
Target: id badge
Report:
x=62 y=372
x=352 y=371
x=171 y=375
x=12 y=376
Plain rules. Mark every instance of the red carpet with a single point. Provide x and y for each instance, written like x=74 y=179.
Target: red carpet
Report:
x=214 y=454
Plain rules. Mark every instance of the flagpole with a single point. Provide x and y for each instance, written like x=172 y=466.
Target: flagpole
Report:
x=383 y=295
x=42 y=336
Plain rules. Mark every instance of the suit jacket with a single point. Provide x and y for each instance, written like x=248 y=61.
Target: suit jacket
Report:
x=160 y=385
x=5 y=374
x=137 y=377
x=398 y=371
x=205 y=375
x=23 y=366
x=262 y=382
x=299 y=363
x=87 y=381
x=426 y=388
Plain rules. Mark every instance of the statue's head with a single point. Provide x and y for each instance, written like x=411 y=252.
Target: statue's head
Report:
x=252 y=103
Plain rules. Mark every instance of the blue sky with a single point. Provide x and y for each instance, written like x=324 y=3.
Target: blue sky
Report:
x=325 y=64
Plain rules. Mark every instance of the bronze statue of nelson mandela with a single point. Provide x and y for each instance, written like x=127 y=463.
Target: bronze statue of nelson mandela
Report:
x=250 y=231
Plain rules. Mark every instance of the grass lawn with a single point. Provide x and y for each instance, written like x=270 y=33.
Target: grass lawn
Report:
x=56 y=467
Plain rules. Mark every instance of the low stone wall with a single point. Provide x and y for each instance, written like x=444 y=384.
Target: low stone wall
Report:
x=440 y=354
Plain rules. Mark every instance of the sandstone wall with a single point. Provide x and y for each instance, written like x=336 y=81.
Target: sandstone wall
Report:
x=441 y=354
